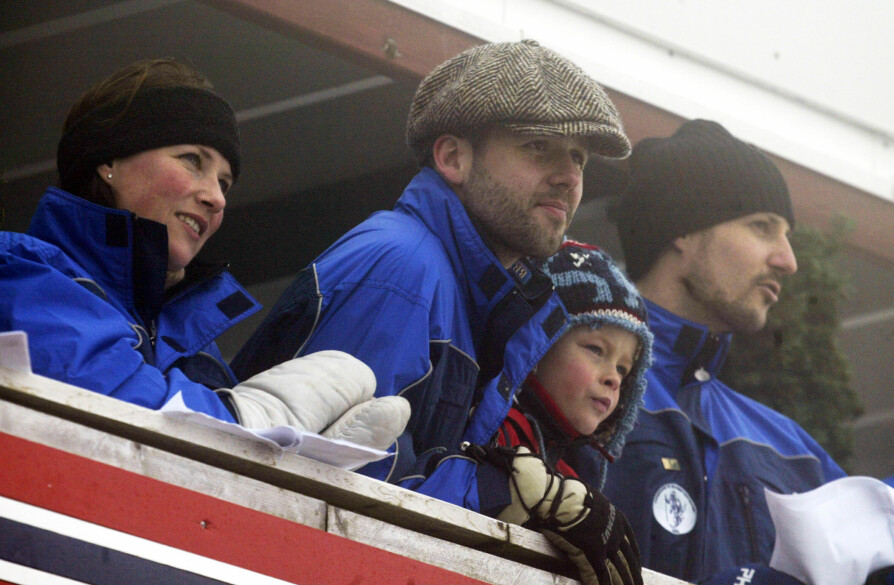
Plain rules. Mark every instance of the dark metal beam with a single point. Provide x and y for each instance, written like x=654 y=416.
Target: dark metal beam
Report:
x=388 y=38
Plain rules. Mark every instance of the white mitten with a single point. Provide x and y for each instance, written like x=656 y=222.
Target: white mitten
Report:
x=308 y=393
x=375 y=423
x=256 y=409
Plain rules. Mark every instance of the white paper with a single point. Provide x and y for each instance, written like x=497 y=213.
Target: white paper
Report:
x=343 y=454
x=837 y=534
x=14 y=351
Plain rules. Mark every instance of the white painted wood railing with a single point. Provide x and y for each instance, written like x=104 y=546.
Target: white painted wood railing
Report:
x=290 y=487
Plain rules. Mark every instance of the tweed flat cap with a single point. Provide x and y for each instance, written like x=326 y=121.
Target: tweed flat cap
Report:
x=519 y=85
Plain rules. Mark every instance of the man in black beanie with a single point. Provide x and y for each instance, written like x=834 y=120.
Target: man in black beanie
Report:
x=704 y=226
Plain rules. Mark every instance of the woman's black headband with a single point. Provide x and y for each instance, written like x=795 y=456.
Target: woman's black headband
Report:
x=156 y=117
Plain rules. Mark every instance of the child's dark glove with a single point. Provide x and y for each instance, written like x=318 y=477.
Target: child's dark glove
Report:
x=602 y=545
x=594 y=534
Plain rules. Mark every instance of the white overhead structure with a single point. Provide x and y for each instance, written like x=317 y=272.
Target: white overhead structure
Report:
x=805 y=80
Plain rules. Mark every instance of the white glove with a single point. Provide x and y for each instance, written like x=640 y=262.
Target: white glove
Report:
x=534 y=488
x=375 y=423
x=308 y=393
x=313 y=392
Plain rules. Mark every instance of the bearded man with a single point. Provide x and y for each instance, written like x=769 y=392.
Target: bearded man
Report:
x=441 y=296
x=704 y=225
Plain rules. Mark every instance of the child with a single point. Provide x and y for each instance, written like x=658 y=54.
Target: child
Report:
x=587 y=389
x=585 y=392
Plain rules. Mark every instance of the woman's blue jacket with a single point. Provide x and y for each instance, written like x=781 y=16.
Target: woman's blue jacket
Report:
x=86 y=283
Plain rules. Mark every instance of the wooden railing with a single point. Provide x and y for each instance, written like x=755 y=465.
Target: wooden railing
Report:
x=250 y=512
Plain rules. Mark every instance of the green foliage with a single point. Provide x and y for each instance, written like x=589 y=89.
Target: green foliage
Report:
x=795 y=364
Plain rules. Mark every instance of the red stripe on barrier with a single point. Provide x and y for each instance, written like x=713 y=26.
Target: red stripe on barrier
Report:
x=148 y=508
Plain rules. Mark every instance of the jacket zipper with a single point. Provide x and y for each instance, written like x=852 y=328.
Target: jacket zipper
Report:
x=745 y=494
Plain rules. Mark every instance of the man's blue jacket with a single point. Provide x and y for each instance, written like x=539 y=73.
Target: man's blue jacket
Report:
x=417 y=295
x=692 y=475
x=87 y=286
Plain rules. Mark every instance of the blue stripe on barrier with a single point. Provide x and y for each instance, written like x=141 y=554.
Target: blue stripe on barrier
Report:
x=68 y=557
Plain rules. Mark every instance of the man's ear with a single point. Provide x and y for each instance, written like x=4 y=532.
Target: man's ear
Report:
x=452 y=158
x=687 y=245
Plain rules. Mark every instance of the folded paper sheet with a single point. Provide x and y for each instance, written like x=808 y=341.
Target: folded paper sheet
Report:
x=14 y=351
x=341 y=454
x=836 y=534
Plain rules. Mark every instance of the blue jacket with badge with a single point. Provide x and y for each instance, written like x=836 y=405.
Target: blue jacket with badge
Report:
x=87 y=286
x=692 y=475
x=416 y=294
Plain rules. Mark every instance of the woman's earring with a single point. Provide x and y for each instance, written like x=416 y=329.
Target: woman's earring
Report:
x=109 y=175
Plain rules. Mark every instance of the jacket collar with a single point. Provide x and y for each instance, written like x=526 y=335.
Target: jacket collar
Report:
x=537 y=401
x=685 y=352
x=432 y=201
x=494 y=316
x=123 y=254
x=559 y=437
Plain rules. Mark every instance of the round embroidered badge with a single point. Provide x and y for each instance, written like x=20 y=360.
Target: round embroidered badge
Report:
x=674 y=509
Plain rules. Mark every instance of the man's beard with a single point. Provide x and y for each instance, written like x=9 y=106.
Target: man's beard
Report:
x=503 y=218
x=737 y=314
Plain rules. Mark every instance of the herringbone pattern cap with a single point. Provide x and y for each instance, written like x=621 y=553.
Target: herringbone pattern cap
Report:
x=520 y=85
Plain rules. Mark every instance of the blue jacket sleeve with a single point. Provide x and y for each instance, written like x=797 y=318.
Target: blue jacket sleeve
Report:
x=77 y=337
x=387 y=329
x=381 y=326
x=375 y=299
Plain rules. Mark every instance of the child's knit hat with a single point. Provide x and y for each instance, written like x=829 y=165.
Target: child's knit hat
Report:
x=595 y=292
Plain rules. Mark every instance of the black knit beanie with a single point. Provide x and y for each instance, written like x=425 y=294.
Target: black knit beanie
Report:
x=700 y=176
x=154 y=118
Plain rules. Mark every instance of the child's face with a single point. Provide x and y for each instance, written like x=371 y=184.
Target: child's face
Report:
x=583 y=371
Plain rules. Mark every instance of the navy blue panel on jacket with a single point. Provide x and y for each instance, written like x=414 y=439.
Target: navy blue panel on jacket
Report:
x=87 y=286
x=417 y=295
x=692 y=475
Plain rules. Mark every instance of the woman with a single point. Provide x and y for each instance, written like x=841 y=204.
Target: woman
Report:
x=106 y=284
